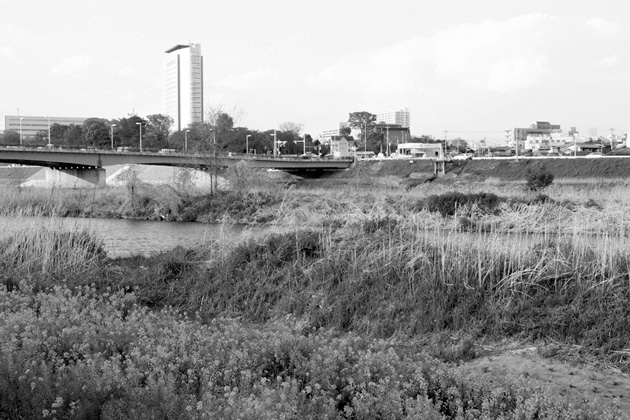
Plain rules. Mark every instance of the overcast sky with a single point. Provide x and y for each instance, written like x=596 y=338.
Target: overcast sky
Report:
x=472 y=67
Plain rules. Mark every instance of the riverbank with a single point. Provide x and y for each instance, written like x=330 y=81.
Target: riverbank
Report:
x=383 y=299
x=262 y=197
x=365 y=314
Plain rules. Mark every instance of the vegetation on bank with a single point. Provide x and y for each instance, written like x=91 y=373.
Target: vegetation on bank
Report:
x=144 y=202
x=346 y=312
x=82 y=355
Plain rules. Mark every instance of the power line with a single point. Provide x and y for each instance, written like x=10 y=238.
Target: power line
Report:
x=476 y=132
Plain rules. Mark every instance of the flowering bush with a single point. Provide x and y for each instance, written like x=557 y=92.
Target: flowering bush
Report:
x=80 y=354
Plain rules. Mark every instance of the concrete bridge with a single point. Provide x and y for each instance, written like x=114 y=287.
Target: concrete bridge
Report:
x=88 y=165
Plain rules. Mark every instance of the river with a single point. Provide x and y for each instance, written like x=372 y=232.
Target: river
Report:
x=123 y=237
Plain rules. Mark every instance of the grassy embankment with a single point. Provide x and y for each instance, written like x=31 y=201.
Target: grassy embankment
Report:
x=349 y=313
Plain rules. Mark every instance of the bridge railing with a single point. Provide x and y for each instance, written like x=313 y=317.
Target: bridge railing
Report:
x=171 y=152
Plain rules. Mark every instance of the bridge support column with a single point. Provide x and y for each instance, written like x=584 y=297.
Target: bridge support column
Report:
x=439 y=167
x=77 y=178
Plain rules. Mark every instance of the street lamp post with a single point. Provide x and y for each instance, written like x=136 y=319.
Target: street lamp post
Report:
x=365 y=145
x=21 y=130
x=186 y=140
x=247 y=144
x=112 y=135
x=303 y=141
x=48 y=131
x=274 y=143
x=139 y=124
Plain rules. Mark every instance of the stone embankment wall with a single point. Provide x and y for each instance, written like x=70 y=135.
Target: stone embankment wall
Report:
x=507 y=170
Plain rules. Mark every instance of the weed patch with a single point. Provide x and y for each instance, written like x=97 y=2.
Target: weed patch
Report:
x=450 y=203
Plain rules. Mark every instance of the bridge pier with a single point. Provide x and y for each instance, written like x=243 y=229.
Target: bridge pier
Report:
x=76 y=177
x=439 y=167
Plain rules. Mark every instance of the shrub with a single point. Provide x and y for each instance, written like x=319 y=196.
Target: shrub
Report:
x=539 y=179
x=448 y=204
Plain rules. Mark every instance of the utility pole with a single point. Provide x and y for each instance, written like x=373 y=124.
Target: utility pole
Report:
x=612 y=136
x=216 y=163
x=365 y=145
x=445 y=144
x=274 y=143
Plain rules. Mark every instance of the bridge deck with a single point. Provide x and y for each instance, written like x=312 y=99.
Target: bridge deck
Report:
x=66 y=159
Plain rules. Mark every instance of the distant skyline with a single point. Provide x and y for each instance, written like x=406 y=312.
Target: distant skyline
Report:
x=474 y=68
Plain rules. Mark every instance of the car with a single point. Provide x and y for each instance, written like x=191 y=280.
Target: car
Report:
x=461 y=157
x=595 y=155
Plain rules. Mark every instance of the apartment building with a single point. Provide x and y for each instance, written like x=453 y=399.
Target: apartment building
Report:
x=400 y=117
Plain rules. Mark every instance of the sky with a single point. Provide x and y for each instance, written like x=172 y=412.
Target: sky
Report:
x=463 y=68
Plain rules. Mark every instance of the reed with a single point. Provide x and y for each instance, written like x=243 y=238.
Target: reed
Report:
x=318 y=310
x=384 y=276
x=41 y=256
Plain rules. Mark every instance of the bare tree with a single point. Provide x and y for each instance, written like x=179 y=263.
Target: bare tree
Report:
x=214 y=111
x=214 y=133
x=291 y=126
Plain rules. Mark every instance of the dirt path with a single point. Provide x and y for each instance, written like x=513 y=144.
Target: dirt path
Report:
x=578 y=381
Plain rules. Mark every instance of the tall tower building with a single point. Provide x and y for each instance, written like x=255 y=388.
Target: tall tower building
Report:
x=183 y=85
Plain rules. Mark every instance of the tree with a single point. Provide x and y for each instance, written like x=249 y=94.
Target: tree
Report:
x=40 y=138
x=177 y=140
x=345 y=131
x=224 y=123
x=10 y=137
x=425 y=139
x=287 y=140
x=459 y=144
x=73 y=135
x=362 y=121
x=96 y=132
x=200 y=137
x=211 y=136
x=128 y=132
x=157 y=130
x=215 y=132
x=292 y=127
x=376 y=142
x=57 y=133
x=260 y=143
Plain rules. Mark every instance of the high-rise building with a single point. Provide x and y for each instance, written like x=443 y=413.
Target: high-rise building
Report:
x=400 y=118
x=183 y=85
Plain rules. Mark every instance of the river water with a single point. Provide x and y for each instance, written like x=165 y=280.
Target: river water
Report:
x=127 y=237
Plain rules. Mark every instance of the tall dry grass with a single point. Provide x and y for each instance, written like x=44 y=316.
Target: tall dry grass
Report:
x=43 y=255
x=385 y=276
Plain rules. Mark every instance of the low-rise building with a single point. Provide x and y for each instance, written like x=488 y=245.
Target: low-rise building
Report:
x=341 y=146
x=393 y=133
x=589 y=147
x=419 y=150
x=28 y=126
x=538 y=129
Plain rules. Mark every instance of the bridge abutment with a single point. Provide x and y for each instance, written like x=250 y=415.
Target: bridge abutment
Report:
x=77 y=178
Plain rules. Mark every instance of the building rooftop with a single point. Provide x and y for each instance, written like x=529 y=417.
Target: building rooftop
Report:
x=176 y=47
